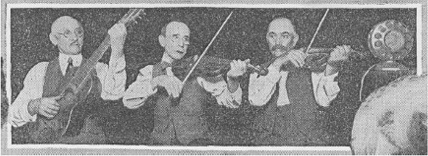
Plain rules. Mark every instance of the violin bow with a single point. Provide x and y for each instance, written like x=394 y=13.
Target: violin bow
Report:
x=316 y=31
x=206 y=49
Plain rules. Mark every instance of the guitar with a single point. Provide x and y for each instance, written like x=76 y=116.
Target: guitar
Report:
x=74 y=92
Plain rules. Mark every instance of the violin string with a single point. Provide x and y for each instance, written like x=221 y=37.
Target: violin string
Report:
x=206 y=48
x=316 y=31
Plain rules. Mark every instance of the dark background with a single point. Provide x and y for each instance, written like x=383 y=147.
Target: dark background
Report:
x=242 y=37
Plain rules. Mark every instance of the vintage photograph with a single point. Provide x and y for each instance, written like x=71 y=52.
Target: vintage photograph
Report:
x=215 y=75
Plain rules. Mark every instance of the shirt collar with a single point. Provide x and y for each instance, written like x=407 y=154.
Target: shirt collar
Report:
x=63 y=61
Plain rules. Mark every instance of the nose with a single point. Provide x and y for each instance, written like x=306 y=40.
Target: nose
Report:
x=73 y=36
x=181 y=42
x=278 y=40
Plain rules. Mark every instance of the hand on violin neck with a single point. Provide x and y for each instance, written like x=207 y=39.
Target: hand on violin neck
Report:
x=337 y=57
x=340 y=53
x=171 y=84
x=237 y=68
x=294 y=57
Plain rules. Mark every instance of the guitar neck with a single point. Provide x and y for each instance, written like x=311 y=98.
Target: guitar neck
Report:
x=85 y=69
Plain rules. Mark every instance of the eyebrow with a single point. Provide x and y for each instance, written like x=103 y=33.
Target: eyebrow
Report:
x=285 y=33
x=282 y=33
x=185 y=36
x=61 y=30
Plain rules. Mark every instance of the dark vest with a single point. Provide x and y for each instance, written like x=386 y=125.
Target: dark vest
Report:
x=182 y=121
x=54 y=81
x=298 y=123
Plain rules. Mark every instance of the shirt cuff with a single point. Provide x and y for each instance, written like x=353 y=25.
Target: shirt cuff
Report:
x=330 y=86
x=132 y=93
x=26 y=115
x=118 y=64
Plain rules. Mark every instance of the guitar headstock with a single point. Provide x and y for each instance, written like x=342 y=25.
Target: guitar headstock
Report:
x=131 y=16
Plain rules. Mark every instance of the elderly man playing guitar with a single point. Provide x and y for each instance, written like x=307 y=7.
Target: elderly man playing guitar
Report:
x=40 y=97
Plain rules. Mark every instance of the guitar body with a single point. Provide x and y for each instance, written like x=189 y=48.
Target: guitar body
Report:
x=74 y=109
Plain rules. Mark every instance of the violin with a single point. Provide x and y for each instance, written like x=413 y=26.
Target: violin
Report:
x=316 y=59
x=209 y=66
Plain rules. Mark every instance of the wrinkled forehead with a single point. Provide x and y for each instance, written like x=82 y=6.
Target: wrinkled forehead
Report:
x=65 y=23
x=177 y=28
x=281 y=25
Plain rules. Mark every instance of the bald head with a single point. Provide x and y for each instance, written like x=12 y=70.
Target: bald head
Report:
x=60 y=23
x=281 y=36
x=173 y=24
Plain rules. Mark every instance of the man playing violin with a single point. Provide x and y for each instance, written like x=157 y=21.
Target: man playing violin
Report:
x=181 y=123
x=39 y=97
x=292 y=95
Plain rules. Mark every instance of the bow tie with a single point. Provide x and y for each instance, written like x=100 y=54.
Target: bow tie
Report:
x=165 y=65
x=159 y=69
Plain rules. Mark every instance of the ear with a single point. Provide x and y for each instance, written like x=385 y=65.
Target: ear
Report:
x=295 y=39
x=53 y=39
x=266 y=37
x=161 y=40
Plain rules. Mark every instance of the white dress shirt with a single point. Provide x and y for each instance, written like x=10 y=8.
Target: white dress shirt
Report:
x=112 y=78
x=261 y=88
x=139 y=91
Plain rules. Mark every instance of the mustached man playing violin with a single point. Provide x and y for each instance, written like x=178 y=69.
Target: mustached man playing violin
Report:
x=182 y=123
x=40 y=95
x=292 y=95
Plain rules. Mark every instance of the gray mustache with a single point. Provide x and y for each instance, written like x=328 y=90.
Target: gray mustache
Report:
x=279 y=46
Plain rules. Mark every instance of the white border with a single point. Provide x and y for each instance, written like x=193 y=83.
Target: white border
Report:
x=419 y=40
x=151 y=5
x=8 y=72
x=181 y=5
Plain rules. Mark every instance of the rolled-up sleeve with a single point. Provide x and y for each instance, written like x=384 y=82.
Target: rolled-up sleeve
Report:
x=139 y=91
x=217 y=86
x=33 y=88
x=113 y=78
x=325 y=88
x=261 y=88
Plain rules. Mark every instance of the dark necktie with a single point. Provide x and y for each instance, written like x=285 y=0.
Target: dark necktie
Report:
x=70 y=67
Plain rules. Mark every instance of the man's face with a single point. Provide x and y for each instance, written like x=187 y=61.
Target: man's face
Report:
x=176 y=40
x=68 y=35
x=281 y=36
